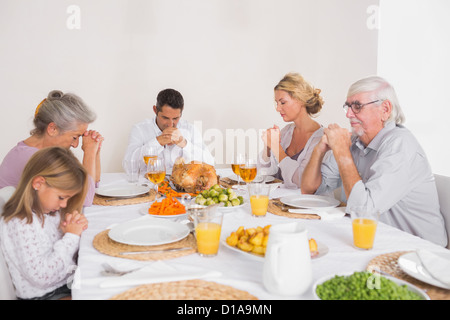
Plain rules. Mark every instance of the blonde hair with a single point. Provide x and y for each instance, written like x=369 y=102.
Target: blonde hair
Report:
x=298 y=88
x=61 y=170
x=66 y=110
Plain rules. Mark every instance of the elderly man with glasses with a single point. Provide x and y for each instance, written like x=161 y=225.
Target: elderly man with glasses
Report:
x=379 y=165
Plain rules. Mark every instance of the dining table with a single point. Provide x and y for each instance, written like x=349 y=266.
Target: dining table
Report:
x=232 y=267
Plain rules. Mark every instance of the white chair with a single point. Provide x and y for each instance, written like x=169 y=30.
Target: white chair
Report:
x=7 y=291
x=443 y=188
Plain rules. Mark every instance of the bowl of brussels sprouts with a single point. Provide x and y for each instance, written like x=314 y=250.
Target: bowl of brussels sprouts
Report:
x=225 y=197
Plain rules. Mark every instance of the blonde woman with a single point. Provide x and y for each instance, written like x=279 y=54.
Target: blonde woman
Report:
x=60 y=120
x=41 y=224
x=287 y=151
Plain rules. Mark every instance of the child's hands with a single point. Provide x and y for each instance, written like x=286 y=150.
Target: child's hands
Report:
x=74 y=223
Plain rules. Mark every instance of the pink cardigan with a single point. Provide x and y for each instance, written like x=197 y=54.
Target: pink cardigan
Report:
x=14 y=163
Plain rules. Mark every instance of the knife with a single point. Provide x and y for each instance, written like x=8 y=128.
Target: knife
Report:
x=154 y=251
x=304 y=211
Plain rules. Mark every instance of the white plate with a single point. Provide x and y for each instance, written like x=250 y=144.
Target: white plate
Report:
x=123 y=191
x=308 y=201
x=410 y=263
x=144 y=211
x=396 y=280
x=323 y=250
x=148 y=232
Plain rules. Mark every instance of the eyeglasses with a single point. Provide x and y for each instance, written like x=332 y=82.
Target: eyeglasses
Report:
x=356 y=106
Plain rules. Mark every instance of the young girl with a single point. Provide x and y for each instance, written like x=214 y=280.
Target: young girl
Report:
x=41 y=224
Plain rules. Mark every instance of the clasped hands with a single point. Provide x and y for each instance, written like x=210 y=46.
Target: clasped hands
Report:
x=171 y=136
x=335 y=138
x=74 y=223
x=92 y=140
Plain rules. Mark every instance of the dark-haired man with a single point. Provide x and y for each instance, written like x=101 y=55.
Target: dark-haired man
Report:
x=168 y=133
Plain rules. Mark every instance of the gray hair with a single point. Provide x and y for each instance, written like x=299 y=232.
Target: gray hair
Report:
x=66 y=110
x=381 y=90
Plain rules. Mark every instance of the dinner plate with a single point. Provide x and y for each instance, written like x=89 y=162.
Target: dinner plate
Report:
x=122 y=191
x=410 y=263
x=323 y=250
x=400 y=282
x=309 y=201
x=144 y=211
x=148 y=232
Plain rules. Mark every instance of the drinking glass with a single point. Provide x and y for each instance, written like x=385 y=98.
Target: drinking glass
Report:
x=149 y=153
x=248 y=170
x=238 y=161
x=208 y=226
x=259 y=198
x=156 y=172
x=364 y=226
x=131 y=167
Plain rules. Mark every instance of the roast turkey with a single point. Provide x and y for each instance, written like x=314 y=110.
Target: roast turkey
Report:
x=193 y=177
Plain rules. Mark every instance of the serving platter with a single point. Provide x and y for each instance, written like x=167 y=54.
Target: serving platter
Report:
x=322 y=248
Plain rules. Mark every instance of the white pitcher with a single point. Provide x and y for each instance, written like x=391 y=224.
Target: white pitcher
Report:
x=287 y=265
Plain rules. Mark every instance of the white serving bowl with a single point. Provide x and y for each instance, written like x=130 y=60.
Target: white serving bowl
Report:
x=396 y=280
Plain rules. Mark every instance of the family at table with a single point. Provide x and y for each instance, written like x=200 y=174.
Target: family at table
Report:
x=379 y=164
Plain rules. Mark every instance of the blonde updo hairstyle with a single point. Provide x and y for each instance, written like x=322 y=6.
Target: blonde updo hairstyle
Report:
x=66 y=110
x=298 y=88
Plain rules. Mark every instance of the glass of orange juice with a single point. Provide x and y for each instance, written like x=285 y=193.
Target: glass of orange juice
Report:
x=364 y=225
x=259 y=198
x=208 y=225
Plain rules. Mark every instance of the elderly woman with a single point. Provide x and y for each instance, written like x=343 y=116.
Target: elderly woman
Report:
x=287 y=151
x=60 y=120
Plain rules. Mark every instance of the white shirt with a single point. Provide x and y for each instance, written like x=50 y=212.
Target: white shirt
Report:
x=395 y=178
x=291 y=170
x=145 y=133
x=40 y=258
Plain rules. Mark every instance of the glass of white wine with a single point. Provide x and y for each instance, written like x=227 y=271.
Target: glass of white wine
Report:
x=156 y=172
x=238 y=161
x=149 y=153
x=249 y=169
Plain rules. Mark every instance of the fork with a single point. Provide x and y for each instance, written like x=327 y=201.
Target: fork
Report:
x=109 y=271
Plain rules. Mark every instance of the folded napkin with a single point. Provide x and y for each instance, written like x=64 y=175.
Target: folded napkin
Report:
x=437 y=265
x=325 y=214
x=158 y=271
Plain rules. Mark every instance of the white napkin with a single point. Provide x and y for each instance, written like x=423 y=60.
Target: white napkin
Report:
x=326 y=214
x=158 y=271
x=437 y=265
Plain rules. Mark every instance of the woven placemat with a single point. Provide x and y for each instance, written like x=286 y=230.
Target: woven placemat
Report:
x=389 y=263
x=104 y=244
x=278 y=208
x=184 y=290
x=111 y=201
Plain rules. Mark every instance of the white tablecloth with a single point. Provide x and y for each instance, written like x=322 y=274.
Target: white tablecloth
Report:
x=238 y=269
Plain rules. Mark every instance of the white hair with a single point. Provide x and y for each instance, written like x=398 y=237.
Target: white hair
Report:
x=382 y=90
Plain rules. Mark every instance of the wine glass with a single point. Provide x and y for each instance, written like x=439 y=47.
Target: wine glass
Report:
x=149 y=153
x=156 y=172
x=248 y=170
x=238 y=161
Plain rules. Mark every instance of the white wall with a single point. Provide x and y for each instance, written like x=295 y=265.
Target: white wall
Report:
x=224 y=56
x=414 y=52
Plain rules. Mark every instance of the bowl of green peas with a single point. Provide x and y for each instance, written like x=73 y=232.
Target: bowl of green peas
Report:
x=364 y=285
